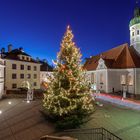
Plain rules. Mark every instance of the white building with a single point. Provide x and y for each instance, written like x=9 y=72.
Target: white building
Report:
x=20 y=67
x=119 y=68
x=2 y=66
x=45 y=73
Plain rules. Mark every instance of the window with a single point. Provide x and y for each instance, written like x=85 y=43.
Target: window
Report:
x=35 y=76
x=133 y=33
x=35 y=84
x=14 y=76
x=35 y=68
x=14 y=85
x=27 y=58
x=138 y=32
x=14 y=66
x=123 y=79
x=21 y=76
x=29 y=67
x=23 y=57
x=101 y=78
x=130 y=80
x=28 y=76
x=22 y=67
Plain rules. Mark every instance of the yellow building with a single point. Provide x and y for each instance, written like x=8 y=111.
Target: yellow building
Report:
x=20 y=67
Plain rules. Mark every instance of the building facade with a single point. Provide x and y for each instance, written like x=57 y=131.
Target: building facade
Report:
x=20 y=67
x=118 y=69
x=2 y=67
x=46 y=71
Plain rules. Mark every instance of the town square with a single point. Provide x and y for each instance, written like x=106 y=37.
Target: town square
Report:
x=69 y=70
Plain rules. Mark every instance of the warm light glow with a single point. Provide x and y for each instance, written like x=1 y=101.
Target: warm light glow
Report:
x=9 y=103
x=0 y=112
x=28 y=101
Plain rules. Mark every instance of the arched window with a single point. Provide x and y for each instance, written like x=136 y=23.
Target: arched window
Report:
x=123 y=79
x=130 y=80
x=101 y=78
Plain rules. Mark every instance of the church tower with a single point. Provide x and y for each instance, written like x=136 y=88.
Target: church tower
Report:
x=134 y=27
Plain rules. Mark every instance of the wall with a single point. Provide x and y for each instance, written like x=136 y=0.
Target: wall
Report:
x=1 y=78
x=114 y=79
x=8 y=74
x=137 y=81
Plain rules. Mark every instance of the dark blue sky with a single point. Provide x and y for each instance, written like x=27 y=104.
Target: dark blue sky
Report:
x=38 y=25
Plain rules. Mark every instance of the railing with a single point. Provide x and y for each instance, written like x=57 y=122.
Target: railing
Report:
x=47 y=137
x=91 y=134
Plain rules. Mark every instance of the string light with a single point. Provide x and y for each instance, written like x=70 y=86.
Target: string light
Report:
x=68 y=88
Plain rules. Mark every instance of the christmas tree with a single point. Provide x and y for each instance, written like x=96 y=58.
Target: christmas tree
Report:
x=67 y=100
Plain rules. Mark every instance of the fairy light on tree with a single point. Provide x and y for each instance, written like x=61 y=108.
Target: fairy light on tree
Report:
x=67 y=99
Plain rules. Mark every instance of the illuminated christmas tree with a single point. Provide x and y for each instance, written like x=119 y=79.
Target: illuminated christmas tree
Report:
x=67 y=99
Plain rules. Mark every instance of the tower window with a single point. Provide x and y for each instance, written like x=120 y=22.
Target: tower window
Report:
x=138 y=32
x=133 y=33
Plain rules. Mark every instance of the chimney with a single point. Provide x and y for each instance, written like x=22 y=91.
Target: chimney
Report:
x=9 y=47
x=3 y=50
x=21 y=49
x=44 y=60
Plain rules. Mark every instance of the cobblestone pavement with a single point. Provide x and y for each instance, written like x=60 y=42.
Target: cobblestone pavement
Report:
x=20 y=120
x=120 y=120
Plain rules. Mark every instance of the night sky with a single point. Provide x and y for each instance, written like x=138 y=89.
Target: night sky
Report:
x=38 y=25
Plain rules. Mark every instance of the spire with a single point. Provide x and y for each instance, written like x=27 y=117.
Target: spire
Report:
x=137 y=9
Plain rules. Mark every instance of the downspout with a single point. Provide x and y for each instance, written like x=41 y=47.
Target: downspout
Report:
x=135 y=81
x=107 y=80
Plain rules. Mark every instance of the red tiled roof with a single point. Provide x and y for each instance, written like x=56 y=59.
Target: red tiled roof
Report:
x=119 y=57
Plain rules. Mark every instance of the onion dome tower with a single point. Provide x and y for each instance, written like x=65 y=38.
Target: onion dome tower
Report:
x=134 y=27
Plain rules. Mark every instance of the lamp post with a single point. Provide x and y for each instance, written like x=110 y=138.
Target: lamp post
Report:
x=124 y=86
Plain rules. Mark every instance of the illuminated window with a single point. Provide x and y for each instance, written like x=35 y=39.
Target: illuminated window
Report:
x=123 y=79
x=130 y=80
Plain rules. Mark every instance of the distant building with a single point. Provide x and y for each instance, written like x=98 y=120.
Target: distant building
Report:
x=45 y=71
x=20 y=67
x=119 y=68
